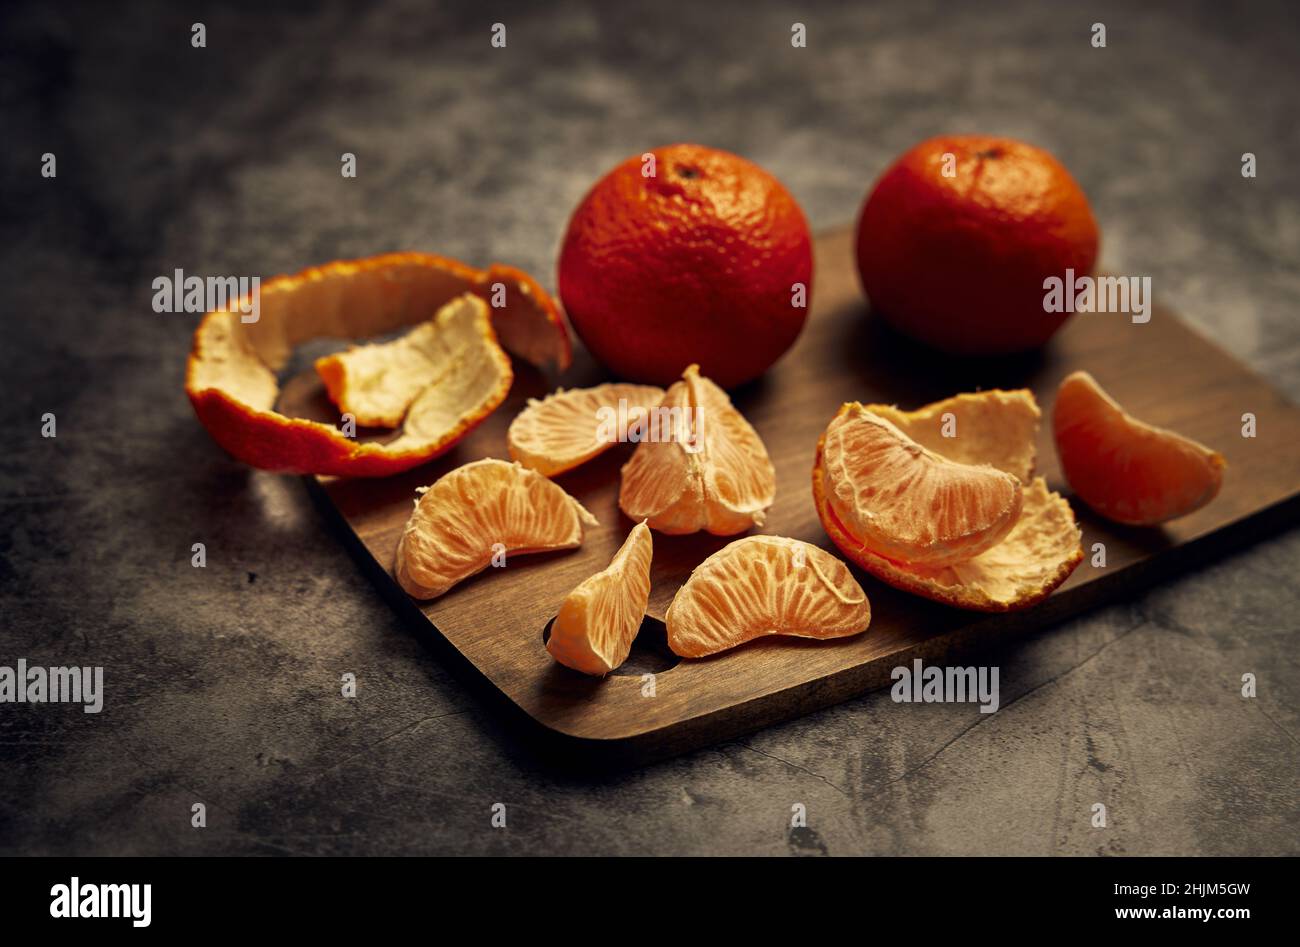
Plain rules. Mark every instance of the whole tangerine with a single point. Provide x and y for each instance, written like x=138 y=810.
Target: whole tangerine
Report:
x=687 y=255
x=958 y=235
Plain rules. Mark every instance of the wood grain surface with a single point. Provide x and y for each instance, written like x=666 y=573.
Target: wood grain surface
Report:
x=1162 y=371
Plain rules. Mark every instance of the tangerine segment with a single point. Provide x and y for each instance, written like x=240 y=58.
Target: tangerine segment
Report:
x=599 y=619
x=908 y=503
x=479 y=510
x=765 y=585
x=703 y=466
x=230 y=378
x=568 y=428
x=1039 y=553
x=997 y=428
x=1126 y=470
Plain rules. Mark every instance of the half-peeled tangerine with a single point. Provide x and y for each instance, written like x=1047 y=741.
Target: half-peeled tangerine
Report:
x=1035 y=556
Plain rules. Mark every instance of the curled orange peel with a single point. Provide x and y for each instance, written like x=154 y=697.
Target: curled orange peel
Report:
x=231 y=380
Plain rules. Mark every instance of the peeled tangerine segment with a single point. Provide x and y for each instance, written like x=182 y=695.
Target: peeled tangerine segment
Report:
x=905 y=502
x=477 y=510
x=1037 y=555
x=598 y=621
x=568 y=428
x=765 y=585
x=1126 y=470
x=231 y=376
x=702 y=467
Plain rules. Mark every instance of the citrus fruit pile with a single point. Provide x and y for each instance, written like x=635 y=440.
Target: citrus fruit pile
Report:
x=699 y=466
x=691 y=268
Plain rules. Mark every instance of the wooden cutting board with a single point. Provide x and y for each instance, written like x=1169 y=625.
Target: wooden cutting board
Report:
x=1163 y=371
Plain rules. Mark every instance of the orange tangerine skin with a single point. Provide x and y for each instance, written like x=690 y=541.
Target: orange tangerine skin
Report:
x=272 y=441
x=293 y=445
x=1126 y=470
x=694 y=264
x=958 y=262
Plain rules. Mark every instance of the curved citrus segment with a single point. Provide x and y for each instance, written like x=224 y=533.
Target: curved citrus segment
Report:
x=477 y=511
x=1038 y=554
x=995 y=427
x=906 y=502
x=764 y=585
x=704 y=466
x=1126 y=470
x=230 y=378
x=568 y=428
x=599 y=619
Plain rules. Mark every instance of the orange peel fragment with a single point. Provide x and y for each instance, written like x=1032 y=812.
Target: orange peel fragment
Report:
x=231 y=381
x=703 y=468
x=569 y=428
x=479 y=510
x=599 y=620
x=764 y=585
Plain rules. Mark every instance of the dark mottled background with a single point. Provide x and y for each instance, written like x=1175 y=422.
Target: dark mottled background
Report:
x=223 y=683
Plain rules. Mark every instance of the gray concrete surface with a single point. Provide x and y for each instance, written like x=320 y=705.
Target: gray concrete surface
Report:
x=222 y=684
